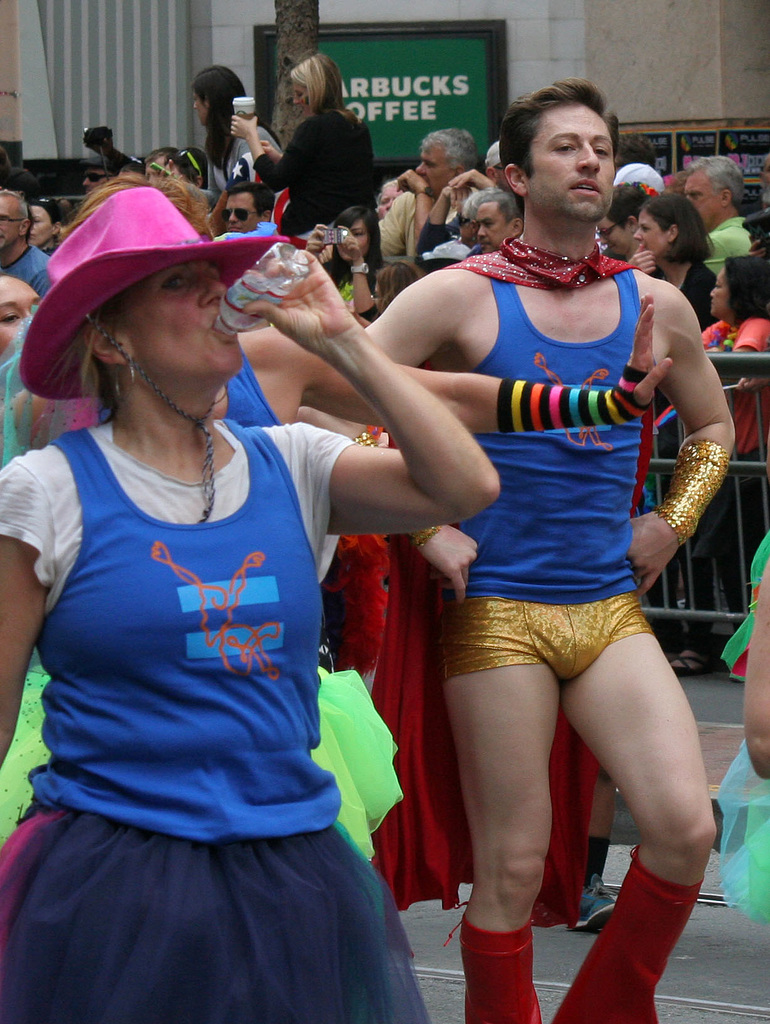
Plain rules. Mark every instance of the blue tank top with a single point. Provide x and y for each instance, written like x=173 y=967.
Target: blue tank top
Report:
x=560 y=530
x=183 y=661
x=246 y=402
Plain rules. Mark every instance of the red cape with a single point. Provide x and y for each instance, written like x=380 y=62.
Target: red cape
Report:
x=423 y=846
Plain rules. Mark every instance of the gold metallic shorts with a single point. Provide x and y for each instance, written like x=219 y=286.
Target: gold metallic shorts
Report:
x=490 y=632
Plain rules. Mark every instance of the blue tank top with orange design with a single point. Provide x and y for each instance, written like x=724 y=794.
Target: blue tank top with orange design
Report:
x=183 y=693
x=560 y=530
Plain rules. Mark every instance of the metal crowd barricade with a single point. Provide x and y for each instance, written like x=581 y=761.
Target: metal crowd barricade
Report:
x=677 y=597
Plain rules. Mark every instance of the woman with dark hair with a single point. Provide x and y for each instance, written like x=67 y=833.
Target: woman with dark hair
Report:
x=739 y=302
x=191 y=165
x=214 y=89
x=673 y=244
x=352 y=263
x=47 y=218
x=329 y=164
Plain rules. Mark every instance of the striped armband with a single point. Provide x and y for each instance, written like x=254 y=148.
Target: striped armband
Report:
x=522 y=405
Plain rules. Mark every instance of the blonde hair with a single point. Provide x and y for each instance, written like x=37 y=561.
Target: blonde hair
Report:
x=323 y=81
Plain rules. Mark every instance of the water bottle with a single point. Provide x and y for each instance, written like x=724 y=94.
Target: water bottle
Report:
x=272 y=277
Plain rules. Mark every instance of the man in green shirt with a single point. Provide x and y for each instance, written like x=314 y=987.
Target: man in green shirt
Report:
x=714 y=185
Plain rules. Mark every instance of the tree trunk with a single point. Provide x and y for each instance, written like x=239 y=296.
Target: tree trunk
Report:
x=296 y=24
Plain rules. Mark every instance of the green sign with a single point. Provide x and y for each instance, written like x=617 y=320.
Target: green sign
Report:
x=405 y=81
x=403 y=90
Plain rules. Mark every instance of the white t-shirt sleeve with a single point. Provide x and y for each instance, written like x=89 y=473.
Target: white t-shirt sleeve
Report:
x=310 y=454
x=39 y=505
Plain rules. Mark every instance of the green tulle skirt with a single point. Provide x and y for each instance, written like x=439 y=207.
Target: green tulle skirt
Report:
x=356 y=746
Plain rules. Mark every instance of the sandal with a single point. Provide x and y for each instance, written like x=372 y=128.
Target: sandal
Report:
x=690 y=663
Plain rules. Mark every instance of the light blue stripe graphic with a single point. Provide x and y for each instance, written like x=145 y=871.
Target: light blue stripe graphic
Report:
x=197 y=648
x=258 y=590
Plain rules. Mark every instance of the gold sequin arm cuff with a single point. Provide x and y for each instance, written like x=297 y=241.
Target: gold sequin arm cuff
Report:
x=367 y=440
x=420 y=537
x=698 y=474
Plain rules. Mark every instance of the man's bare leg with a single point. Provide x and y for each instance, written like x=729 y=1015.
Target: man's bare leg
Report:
x=503 y=721
x=630 y=709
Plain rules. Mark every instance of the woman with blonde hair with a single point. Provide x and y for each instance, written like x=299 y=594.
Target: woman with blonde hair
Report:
x=328 y=165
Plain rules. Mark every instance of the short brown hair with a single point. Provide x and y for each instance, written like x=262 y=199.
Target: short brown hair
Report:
x=522 y=120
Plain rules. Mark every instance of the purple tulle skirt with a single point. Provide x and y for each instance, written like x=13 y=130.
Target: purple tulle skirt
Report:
x=102 y=923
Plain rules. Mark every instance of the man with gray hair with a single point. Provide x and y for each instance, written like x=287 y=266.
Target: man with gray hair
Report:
x=17 y=257
x=493 y=172
x=443 y=155
x=714 y=186
x=498 y=216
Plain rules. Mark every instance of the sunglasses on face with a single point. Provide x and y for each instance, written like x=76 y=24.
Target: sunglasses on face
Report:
x=238 y=213
x=94 y=176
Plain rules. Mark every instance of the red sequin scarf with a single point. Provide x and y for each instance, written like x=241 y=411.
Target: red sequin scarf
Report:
x=519 y=263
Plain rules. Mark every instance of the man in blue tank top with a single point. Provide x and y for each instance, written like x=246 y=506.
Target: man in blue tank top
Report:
x=552 y=615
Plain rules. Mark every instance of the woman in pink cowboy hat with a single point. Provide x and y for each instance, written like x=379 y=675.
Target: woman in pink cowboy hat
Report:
x=180 y=861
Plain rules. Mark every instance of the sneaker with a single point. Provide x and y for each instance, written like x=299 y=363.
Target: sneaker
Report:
x=596 y=905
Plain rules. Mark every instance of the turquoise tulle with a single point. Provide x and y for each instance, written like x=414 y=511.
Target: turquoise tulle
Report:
x=745 y=850
x=28 y=422
x=743 y=796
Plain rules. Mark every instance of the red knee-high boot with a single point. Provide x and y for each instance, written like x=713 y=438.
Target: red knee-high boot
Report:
x=616 y=984
x=498 y=976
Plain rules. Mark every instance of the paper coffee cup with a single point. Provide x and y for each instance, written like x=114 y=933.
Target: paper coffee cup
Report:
x=244 y=106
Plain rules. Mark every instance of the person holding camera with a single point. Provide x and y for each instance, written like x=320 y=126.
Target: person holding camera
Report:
x=352 y=255
x=108 y=162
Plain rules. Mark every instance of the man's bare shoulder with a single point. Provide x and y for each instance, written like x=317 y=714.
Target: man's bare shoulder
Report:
x=445 y=295
x=450 y=307
x=665 y=295
x=457 y=280
x=676 y=331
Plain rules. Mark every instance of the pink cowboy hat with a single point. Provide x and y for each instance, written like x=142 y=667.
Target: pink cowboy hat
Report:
x=132 y=235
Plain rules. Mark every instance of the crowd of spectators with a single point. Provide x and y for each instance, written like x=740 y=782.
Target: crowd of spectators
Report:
x=320 y=190
x=451 y=205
